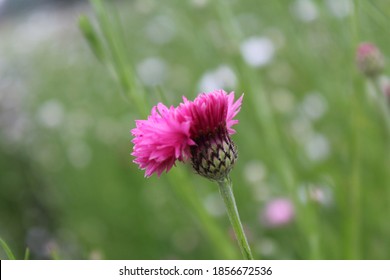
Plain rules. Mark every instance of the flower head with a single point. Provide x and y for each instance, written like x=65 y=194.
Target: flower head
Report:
x=369 y=59
x=212 y=115
x=197 y=129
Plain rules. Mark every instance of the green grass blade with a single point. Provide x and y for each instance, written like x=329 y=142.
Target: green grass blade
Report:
x=27 y=254
x=7 y=250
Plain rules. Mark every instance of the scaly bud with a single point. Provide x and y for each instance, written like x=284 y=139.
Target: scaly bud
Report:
x=369 y=60
x=214 y=155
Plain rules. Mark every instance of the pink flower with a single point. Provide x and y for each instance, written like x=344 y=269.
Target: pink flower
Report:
x=161 y=140
x=278 y=212
x=171 y=134
x=369 y=59
x=210 y=111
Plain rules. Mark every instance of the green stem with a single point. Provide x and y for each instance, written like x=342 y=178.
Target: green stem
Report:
x=226 y=190
x=222 y=247
x=353 y=222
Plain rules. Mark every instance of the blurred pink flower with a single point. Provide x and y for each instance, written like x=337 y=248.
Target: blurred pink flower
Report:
x=369 y=59
x=171 y=134
x=278 y=212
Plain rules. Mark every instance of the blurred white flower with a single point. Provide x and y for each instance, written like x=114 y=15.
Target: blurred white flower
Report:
x=304 y=10
x=257 y=51
x=199 y=3
x=321 y=195
x=340 y=8
x=222 y=77
x=51 y=113
x=317 y=147
x=318 y=193
x=314 y=106
x=152 y=71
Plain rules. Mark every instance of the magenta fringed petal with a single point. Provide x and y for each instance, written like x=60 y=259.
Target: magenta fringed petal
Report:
x=168 y=133
x=161 y=140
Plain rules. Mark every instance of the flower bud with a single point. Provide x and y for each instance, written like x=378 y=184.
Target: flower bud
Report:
x=369 y=59
x=214 y=155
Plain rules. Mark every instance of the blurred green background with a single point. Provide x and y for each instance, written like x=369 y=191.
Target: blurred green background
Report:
x=309 y=132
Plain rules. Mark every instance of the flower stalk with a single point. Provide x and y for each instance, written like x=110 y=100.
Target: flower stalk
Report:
x=226 y=191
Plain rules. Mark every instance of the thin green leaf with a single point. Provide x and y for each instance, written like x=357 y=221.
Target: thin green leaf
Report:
x=7 y=250
x=92 y=37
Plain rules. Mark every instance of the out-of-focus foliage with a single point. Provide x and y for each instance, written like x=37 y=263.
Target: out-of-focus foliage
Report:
x=312 y=141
